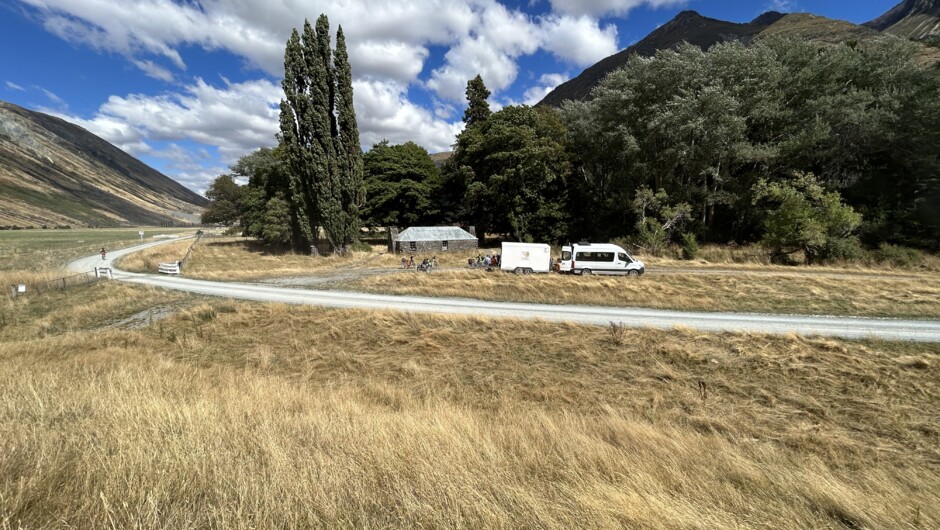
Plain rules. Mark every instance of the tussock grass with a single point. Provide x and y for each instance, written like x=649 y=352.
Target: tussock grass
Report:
x=149 y=260
x=749 y=287
x=242 y=415
x=241 y=259
x=776 y=293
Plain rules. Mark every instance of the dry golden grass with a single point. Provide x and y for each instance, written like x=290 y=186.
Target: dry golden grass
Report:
x=751 y=287
x=241 y=259
x=774 y=293
x=243 y=415
x=149 y=260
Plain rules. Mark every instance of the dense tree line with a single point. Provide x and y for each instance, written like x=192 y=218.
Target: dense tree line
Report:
x=803 y=146
x=707 y=127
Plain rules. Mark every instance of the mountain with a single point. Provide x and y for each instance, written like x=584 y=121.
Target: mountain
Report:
x=820 y=29
x=687 y=26
x=911 y=19
x=914 y=19
x=56 y=173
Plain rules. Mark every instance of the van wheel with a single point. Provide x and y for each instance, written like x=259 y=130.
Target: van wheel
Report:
x=633 y=272
x=529 y=271
x=588 y=272
x=518 y=270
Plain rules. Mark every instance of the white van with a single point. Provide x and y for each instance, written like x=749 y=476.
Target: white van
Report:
x=598 y=258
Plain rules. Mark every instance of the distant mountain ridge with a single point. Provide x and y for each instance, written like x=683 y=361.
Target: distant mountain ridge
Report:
x=911 y=19
x=687 y=26
x=915 y=19
x=53 y=172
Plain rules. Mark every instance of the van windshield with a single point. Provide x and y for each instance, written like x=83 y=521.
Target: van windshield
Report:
x=622 y=256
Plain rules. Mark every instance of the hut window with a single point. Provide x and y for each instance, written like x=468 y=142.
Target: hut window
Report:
x=443 y=245
x=413 y=245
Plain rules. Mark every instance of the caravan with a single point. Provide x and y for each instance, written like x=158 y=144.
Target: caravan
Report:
x=598 y=258
x=525 y=258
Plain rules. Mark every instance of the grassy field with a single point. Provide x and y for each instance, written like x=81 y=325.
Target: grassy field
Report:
x=856 y=291
x=51 y=249
x=237 y=415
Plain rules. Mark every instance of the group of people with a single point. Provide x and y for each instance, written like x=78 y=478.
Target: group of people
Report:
x=425 y=265
x=484 y=262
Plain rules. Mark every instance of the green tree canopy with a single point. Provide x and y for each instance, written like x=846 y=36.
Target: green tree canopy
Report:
x=706 y=126
x=478 y=108
x=515 y=170
x=224 y=201
x=802 y=216
x=401 y=184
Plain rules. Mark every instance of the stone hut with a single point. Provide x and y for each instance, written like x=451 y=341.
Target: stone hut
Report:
x=432 y=239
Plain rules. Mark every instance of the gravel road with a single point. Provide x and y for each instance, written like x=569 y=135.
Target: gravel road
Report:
x=846 y=327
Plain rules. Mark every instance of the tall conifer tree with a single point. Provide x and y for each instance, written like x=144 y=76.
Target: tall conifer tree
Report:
x=321 y=138
x=296 y=139
x=353 y=192
x=478 y=108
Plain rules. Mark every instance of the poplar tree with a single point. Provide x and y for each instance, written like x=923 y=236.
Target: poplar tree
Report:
x=320 y=137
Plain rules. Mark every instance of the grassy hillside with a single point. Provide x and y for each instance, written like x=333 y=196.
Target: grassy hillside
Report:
x=246 y=415
x=56 y=173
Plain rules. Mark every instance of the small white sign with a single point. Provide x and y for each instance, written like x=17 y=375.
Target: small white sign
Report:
x=141 y=234
x=21 y=288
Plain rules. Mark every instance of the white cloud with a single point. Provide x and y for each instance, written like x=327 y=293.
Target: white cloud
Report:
x=236 y=118
x=599 y=8
x=390 y=44
x=783 y=6
x=54 y=98
x=491 y=51
x=383 y=112
x=154 y=70
x=14 y=86
x=579 y=40
x=546 y=84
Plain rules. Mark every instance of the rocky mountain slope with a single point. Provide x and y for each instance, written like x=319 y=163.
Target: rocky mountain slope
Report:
x=56 y=173
x=911 y=19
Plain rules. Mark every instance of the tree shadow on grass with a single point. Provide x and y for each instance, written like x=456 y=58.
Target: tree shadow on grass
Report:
x=258 y=247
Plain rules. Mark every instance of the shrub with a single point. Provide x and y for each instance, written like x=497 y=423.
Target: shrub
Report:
x=690 y=246
x=361 y=246
x=898 y=256
x=846 y=249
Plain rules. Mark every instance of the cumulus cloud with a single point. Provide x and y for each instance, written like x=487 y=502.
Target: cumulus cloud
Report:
x=600 y=8
x=490 y=51
x=384 y=112
x=546 y=84
x=579 y=40
x=390 y=44
x=236 y=118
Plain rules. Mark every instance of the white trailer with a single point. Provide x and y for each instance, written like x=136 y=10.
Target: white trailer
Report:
x=526 y=258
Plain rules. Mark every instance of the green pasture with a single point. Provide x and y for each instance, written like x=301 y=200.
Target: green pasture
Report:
x=39 y=249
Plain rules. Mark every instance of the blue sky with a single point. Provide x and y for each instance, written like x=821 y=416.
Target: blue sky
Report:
x=188 y=86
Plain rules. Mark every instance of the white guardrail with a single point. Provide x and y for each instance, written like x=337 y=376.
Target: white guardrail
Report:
x=169 y=268
x=103 y=272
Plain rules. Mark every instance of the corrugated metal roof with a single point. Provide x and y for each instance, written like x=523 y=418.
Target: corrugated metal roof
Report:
x=435 y=233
